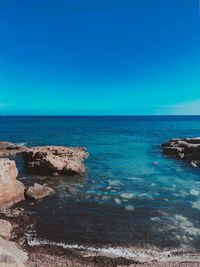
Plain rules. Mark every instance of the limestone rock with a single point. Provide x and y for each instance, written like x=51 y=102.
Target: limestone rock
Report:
x=5 y=229
x=39 y=191
x=50 y=160
x=11 y=190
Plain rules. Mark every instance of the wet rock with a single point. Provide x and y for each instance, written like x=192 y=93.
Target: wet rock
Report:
x=11 y=255
x=11 y=190
x=54 y=160
x=187 y=149
x=5 y=229
x=38 y=191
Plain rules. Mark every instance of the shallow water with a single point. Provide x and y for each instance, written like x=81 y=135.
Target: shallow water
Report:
x=124 y=199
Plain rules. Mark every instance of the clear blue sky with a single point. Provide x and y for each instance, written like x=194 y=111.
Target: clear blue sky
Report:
x=99 y=57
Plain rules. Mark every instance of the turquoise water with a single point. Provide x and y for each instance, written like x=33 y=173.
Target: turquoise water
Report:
x=125 y=198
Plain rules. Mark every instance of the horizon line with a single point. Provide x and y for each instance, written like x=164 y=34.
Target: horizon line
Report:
x=105 y=115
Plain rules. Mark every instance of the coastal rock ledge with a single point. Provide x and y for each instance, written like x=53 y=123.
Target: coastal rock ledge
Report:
x=47 y=160
x=187 y=149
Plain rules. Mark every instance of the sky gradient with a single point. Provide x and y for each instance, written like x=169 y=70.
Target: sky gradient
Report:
x=114 y=57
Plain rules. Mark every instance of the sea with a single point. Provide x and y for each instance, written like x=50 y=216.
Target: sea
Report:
x=131 y=196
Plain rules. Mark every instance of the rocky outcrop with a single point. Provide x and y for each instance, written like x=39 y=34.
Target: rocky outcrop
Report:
x=54 y=160
x=8 y=149
x=38 y=191
x=187 y=149
x=11 y=190
x=47 y=160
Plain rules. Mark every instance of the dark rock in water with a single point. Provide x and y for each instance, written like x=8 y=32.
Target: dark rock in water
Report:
x=54 y=160
x=38 y=191
x=187 y=149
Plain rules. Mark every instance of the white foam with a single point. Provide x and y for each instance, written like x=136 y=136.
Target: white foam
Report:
x=106 y=197
x=135 y=179
x=194 y=192
x=139 y=255
x=183 y=193
x=21 y=144
x=117 y=201
x=185 y=225
x=127 y=195
x=108 y=187
x=155 y=219
x=184 y=230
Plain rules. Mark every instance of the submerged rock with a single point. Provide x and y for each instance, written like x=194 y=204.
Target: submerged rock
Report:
x=187 y=149
x=39 y=191
x=54 y=160
x=11 y=190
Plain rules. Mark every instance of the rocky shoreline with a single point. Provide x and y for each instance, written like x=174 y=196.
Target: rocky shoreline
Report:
x=17 y=252
x=16 y=221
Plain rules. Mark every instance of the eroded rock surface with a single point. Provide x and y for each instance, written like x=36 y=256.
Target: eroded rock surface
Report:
x=187 y=149
x=11 y=190
x=39 y=191
x=54 y=160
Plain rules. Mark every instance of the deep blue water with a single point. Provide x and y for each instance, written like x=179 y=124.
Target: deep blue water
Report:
x=124 y=199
